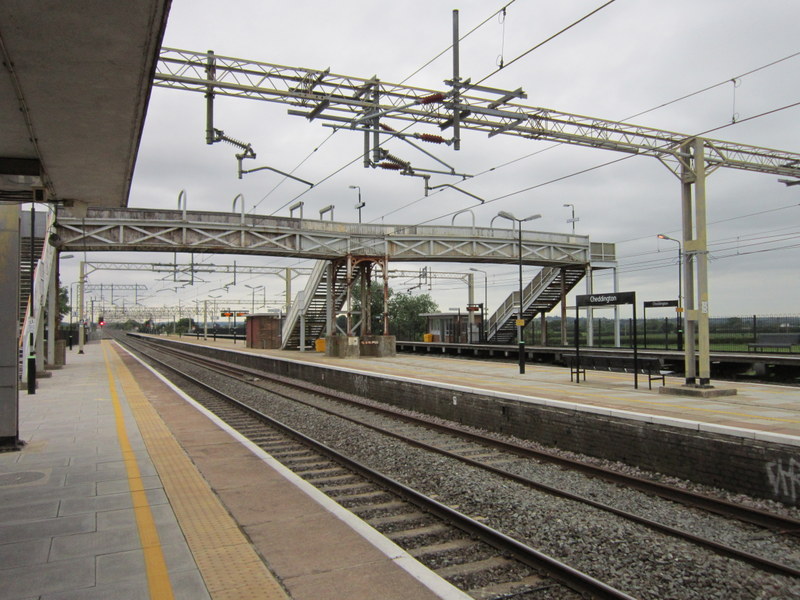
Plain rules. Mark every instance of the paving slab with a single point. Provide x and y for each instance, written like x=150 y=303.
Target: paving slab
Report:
x=65 y=497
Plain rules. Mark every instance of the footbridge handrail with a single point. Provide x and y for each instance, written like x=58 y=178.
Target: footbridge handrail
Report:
x=301 y=301
x=169 y=231
x=32 y=328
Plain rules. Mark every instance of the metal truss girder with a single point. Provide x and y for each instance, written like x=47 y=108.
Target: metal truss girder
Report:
x=287 y=242
x=165 y=231
x=146 y=235
x=120 y=266
x=400 y=274
x=112 y=287
x=92 y=266
x=341 y=98
x=493 y=250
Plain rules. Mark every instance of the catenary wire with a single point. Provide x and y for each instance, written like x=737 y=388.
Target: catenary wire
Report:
x=462 y=38
x=428 y=63
x=542 y=43
x=486 y=20
x=556 y=145
x=604 y=164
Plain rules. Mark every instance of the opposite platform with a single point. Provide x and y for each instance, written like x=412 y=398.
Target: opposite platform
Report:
x=758 y=411
x=125 y=489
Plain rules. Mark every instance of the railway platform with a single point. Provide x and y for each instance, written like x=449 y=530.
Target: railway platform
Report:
x=126 y=489
x=744 y=443
x=757 y=411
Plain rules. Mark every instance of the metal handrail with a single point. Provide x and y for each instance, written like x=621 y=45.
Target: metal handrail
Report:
x=531 y=292
x=40 y=287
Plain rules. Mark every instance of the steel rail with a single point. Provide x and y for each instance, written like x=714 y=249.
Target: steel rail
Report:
x=235 y=371
x=572 y=578
x=772 y=521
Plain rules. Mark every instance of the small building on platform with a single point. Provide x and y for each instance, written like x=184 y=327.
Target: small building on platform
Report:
x=263 y=331
x=453 y=327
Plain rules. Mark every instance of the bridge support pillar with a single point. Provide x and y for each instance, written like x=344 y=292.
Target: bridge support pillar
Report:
x=9 y=326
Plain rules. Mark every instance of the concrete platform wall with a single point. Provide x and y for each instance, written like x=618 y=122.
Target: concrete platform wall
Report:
x=742 y=465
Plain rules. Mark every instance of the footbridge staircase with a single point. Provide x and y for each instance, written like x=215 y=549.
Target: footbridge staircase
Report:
x=541 y=295
x=307 y=317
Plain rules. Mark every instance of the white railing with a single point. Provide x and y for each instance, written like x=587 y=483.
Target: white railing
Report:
x=40 y=287
x=508 y=309
x=302 y=301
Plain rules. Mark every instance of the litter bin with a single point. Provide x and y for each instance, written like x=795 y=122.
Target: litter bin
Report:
x=319 y=345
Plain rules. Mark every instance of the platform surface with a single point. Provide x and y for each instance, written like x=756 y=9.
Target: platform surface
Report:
x=126 y=490
x=760 y=411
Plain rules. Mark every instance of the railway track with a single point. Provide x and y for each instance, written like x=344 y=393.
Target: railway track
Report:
x=499 y=457
x=485 y=563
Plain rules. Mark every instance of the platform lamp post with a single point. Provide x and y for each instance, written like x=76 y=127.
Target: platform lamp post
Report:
x=81 y=299
x=485 y=304
x=573 y=219
x=360 y=204
x=214 y=313
x=661 y=236
x=253 y=300
x=520 y=322
x=73 y=310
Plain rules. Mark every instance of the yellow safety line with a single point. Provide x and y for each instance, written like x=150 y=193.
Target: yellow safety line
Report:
x=158 y=582
x=228 y=563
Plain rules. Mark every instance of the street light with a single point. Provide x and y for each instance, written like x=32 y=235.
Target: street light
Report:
x=506 y=215
x=485 y=302
x=661 y=236
x=72 y=310
x=214 y=311
x=574 y=219
x=360 y=204
x=253 y=301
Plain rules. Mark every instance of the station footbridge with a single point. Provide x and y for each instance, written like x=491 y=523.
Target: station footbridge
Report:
x=58 y=148
x=344 y=254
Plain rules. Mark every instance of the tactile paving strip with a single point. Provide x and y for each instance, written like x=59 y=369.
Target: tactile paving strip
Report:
x=228 y=563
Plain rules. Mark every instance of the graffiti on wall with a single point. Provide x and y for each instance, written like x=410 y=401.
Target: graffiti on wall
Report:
x=784 y=479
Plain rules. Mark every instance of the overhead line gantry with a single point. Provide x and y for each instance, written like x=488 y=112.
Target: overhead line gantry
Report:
x=361 y=104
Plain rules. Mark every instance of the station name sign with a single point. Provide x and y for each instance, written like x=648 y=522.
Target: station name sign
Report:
x=606 y=299
x=659 y=303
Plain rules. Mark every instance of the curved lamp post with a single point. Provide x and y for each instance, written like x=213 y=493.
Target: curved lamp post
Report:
x=574 y=219
x=520 y=322
x=253 y=288
x=661 y=236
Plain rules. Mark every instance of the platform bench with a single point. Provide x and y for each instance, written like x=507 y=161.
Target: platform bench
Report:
x=774 y=341
x=650 y=366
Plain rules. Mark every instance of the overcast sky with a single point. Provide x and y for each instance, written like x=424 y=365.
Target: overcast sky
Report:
x=629 y=57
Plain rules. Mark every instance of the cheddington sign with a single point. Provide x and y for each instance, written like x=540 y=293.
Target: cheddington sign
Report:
x=609 y=299
x=606 y=299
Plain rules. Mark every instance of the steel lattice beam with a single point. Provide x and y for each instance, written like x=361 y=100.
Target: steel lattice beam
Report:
x=353 y=102
x=225 y=233
x=92 y=266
